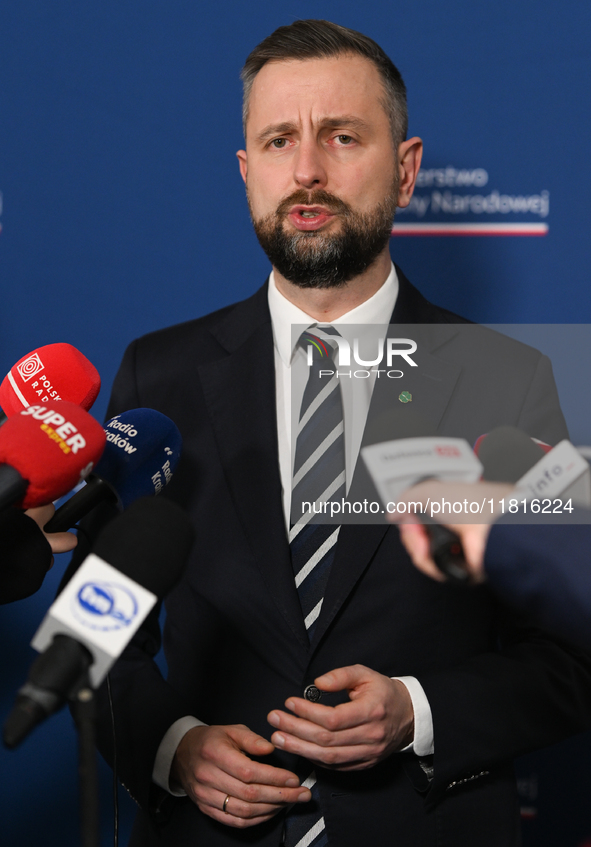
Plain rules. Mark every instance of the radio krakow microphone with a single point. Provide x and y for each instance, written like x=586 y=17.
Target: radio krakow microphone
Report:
x=45 y=451
x=142 y=451
x=54 y=372
x=137 y=559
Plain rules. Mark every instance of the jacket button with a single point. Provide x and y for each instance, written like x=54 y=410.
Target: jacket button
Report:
x=312 y=693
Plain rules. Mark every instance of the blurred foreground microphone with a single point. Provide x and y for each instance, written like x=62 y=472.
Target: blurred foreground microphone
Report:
x=509 y=455
x=136 y=561
x=402 y=450
x=142 y=451
x=25 y=556
x=54 y=372
x=45 y=451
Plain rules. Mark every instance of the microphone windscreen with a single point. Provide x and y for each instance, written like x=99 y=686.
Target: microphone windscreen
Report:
x=507 y=453
x=53 y=447
x=54 y=372
x=149 y=543
x=142 y=451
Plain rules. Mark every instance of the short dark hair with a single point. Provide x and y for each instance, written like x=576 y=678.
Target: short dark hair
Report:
x=317 y=39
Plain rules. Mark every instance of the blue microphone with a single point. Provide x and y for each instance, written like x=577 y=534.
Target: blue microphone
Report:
x=142 y=451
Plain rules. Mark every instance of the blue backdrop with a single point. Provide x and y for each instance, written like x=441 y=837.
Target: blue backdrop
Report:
x=123 y=211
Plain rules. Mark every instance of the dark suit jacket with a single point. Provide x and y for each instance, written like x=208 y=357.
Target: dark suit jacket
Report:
x=544 y=571
x=235 y=639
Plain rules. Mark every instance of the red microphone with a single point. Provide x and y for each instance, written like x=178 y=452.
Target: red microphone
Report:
x=45 y=451
x=50 y=373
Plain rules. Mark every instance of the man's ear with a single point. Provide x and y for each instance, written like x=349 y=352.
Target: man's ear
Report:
x=242 y=163
x=410 y=154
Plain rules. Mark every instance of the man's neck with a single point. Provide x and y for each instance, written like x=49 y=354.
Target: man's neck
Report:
x=328 y=304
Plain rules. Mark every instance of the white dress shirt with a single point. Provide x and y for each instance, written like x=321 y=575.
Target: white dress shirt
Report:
x=368 y=323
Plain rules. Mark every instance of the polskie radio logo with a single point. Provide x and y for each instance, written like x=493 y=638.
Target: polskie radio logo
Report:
x=42 y=387
x=337 y=353
x=30 y=367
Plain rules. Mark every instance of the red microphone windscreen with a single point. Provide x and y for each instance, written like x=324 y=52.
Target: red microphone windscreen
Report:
x=54 y=447
x=54 y=372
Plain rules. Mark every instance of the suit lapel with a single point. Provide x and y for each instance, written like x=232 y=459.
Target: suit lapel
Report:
x=431 y=385
x=239 y=391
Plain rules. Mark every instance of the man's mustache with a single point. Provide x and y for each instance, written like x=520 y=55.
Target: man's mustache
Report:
x=318 y=197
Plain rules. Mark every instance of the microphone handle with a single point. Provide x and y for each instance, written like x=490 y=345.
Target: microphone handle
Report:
x=96 y=491
x=447 y=553
x=12 y=485
x=54 y=676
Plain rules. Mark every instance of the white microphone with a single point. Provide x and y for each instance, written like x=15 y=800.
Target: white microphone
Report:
x=137 y=559
x=397 y=465
x=417 y=454
x=562 y=473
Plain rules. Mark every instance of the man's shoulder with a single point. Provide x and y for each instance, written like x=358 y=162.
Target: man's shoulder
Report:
x=413 y=307
x=177 y=336
x=207 y=336
x=471 y=340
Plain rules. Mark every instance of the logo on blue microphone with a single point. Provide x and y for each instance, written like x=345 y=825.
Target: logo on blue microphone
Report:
x=104 y=606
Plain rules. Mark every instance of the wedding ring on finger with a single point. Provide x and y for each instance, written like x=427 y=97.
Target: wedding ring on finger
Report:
x=224 y=809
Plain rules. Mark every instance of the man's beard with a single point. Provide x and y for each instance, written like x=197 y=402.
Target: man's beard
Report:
x=317 y=259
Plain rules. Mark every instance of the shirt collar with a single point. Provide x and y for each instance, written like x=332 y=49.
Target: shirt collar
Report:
x=284 y=314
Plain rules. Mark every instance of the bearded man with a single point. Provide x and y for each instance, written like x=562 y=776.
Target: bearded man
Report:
x=320 y=690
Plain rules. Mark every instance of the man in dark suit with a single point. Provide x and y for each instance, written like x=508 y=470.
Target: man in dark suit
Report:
x=438 y=690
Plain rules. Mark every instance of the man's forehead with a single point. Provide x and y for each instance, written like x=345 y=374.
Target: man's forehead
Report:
x=288 y=90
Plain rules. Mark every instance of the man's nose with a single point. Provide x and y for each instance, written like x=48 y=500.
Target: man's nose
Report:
x=309 y=167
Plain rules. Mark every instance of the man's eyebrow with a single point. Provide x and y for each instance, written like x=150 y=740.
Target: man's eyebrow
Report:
x=339 y=122
x=275 y=129
x=345 y=122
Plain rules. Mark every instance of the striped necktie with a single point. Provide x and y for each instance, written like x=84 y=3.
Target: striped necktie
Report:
x=318 y=477
x=318 y=474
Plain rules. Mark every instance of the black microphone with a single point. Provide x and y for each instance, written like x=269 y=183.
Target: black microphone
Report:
x=25 y=556
x=507 y=453
x=136 y=561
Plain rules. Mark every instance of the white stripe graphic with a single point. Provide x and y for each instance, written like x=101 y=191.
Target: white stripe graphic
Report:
x=317 y=402
x=311 y=834
x=312 y=459
x=318 y=555
x=309 y=619
x=326 y=495
x=17 y=390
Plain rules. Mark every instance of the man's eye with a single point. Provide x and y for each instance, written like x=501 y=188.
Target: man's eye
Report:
x=279 y=143
x=344 y=139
